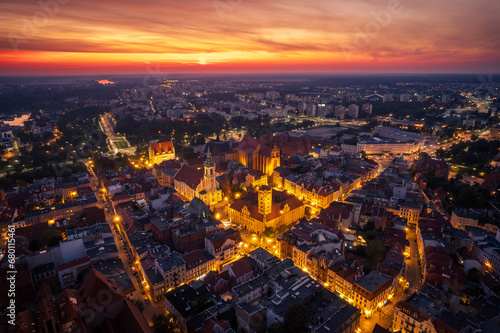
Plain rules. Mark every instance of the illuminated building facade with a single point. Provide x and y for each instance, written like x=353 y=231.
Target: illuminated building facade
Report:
x=266 y=209
x=191 y=182
x=341 y=277
x=411 y=212
x=253 y=154
x=460 y=218
x=70 y=211
x=425 y=312
x=371 y=291
x=161 y=151
x=312 y=194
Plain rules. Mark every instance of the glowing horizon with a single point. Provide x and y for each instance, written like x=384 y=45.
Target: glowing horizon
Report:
x=66 y=37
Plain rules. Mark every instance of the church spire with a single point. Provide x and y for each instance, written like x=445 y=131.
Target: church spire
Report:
x=208 y=161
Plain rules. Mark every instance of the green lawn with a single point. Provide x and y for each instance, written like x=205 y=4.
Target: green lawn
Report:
x=120 y=144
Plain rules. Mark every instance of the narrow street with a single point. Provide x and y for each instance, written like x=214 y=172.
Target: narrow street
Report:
x=413 y=271
x=384 y=315
x=123 y=246
x=412 y=276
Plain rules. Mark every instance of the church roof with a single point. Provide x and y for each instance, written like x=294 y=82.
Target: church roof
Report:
x=165 y=147
x=190 y=176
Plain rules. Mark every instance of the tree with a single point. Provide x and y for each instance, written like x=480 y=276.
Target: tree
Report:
x=269 y=232
x=58 y=199
x=139 y=304
x=49 y=238
x=375 y=251
x=238 y=121
x=277 y=327
x=33 y=246
x=370 y=226
x=188 y=153
x=165 y=323
x=296 y=317
x=370 y=125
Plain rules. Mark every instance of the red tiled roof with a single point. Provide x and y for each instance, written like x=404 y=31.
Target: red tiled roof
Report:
x=147 y=263
x=372 y=210
x=194 y=258
x=93 y=285
x=162 y=147
x=215 y=326
x=66 y=307
x=132 y=318
x=464 y=253
x=33 y=231
x=95 y=215
x=190 y=176
x=345 y=271
x=382 y=268
x=395 y=257
x=120 y=197
x=170 y=164
x=235 y=235
x=84 y=190
x=73 y=263
x=195 y=162
x=249 y=145
x=219 y=283
x=241 y=267
x=17 y=201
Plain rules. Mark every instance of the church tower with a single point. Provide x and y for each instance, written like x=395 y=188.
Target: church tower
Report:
x=275 y=158
x=265 y=197
x=210 y=182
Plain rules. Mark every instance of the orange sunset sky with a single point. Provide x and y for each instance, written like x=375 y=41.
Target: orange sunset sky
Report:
x=58 y=37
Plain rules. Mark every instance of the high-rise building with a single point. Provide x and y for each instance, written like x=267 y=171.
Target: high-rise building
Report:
x=405 y=98
x=273 y=95
x=311 y=110
x=353 y=111
x=367 y=108
x=339 y=111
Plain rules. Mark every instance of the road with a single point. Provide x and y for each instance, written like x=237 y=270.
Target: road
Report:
x=152 y=105
x=413 y=270
x=469 y=179
x=108 y=129
x=125 y=253
x=384 y=317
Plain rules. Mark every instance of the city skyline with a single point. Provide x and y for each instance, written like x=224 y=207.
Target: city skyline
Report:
x=61 y=37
